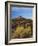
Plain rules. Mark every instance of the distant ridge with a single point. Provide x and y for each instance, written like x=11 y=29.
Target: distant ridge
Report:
x=19 y=17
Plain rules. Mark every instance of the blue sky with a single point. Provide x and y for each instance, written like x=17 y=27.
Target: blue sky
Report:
x=21 y=11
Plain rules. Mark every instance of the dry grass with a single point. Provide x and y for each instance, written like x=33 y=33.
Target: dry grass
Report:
x=21 y=32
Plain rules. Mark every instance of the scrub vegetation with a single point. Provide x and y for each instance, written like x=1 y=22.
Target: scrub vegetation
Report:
x=21 y=27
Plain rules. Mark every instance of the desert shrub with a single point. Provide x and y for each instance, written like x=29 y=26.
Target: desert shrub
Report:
x=18 y=31
x=22 y=32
